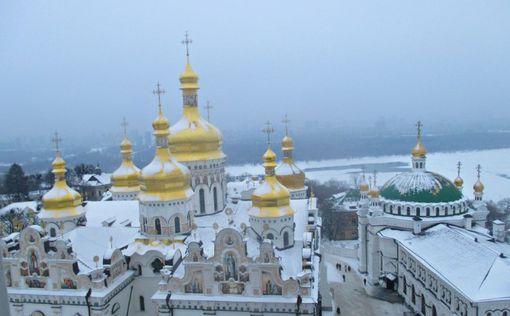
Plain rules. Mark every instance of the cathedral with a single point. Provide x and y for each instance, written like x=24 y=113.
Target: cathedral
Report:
x=170 y=241
x=419 y=236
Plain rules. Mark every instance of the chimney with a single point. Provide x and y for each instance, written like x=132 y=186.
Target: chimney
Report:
x=417 y=225
x=498 y=230
x=468 y=221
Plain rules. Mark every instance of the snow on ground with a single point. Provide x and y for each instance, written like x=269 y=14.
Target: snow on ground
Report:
x=349 y=295
x=495 y=169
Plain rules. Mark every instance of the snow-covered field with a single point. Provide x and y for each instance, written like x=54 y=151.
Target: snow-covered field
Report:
x=495 y=169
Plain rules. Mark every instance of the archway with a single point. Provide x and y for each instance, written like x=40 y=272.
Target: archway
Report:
x=177 y=224
x=201 y=195
x=157 y=224
x=285 y=239
x=215 y=197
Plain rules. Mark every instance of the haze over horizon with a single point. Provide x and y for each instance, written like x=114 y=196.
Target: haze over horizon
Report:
x=80 y=67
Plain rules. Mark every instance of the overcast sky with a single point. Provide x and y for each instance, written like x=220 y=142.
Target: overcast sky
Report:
x=78 y=66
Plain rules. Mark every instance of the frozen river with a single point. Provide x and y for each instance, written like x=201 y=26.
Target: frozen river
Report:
x=495 y=169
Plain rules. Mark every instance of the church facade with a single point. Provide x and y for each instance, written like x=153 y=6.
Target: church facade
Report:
x=170 y=242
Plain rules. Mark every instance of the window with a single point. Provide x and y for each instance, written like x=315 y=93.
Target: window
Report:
x=177 y=223
x=201 y=194
x=215 y=197
x=115 y=308
x=413 y=294
x=53 y=232
x=142 y=304
x=404 y=290
x=285 y=239
x=270 y=236
x=139 y=268
x=434 y=312
x=157 y=223
x=423 y=311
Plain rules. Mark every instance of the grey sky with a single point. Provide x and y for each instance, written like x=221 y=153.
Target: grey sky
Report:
x=86 y=64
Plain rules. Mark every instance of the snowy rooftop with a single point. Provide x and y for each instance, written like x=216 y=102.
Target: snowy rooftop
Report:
x=88 y=242
x=96 y=179
x=19 y=205
x=112 y=213
x=469 y=261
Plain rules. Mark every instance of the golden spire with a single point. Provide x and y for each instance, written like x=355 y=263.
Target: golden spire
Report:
x=419 y=150
x=374 y=191
x=189 y=79
x=269 y=156
x=363 y=187
x=61 y=197
x=459 y=182
x=478 y=186
x=286 y=122
x=125 y=178
x=160 y=124
x=287 y=172
x=186 y=43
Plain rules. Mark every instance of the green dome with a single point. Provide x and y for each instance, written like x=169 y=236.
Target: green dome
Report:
x=420 y=187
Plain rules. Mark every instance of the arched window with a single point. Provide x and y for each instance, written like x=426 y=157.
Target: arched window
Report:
x=201 y=195
x=427 y=211
x=434 y=311
x=142 y=304
x=37 y=313
x=177 y=224
x=215 y=197
x=423 y=311
x=157 y=223
x=417 y=211
x=399 y=209
x=53 y=232
x=139 y=268
x=408 y=211
x=413 y=294
x=115 y=308
x=285 y=239
x=404 y=288
x=437 y=211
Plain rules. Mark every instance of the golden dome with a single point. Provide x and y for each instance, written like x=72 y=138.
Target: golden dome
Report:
x=459 y=182
x=164 y=178
x=61 y=197
x=363 y=186
x=192 y=138
x=419 y=150
x=287 y=172
x=478 y=186
x=126 y=177
x=271 y=198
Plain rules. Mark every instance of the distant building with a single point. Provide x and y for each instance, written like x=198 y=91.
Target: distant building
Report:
x=94 y=186
x=344 y=217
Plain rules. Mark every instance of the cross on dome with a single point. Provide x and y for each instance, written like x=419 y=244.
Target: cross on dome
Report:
x=268 y=130
x=187 y=40
x=57 y=141
x=286 y=122
x=158 y=91
x=419 y=126
x=208 y=107
x=375 y=178
x=478 y=171
x=459 y=165
x=124 y=125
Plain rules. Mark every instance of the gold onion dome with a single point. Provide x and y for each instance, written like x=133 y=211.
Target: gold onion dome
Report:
x=126 y=177
x=478 y=186
x=363 y=187
x=459 y=182
x=287 y=172
x=192 y=137
x=61 y=197
x=271 y=199
x=419 y=150
x=164 y=178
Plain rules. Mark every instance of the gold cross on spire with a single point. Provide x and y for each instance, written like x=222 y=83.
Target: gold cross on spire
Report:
x=478 y=171
x=286 y=122
x=124 y=125
x=57 y=141
x=268 y=130
x=375 y=178
x=459 y=165
x=159 y=92
x=419 y=126
x=208 y=107
x=186 y=43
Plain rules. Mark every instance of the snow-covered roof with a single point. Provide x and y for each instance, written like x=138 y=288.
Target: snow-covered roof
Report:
x=19 y=205
x=88 y=242
x=96 y=179
x=121 y=212
x=470 y=261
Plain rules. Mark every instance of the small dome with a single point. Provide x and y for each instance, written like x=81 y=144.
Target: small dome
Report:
x=126 y=177
x=421 y=187
x=363 y=187
x=125 y=145
x=374 y=193
x=189 y=79
x=287 y=143
x=459 y=182
x=269 y=158
x=419 y=151
x=478 y=186
x=61 y=197
x=160 y=124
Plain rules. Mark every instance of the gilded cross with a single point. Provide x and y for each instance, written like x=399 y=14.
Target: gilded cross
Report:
x=286 y=122
x=268 y=130
x=459 y=165
x=159 y=92
x=478 y=171
x=375 y=178
x=186 y=43
x=57 y=141
x=208 y=108
x=419 y=125
x=124 y=125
